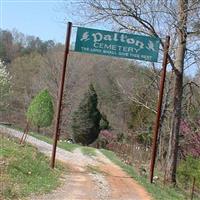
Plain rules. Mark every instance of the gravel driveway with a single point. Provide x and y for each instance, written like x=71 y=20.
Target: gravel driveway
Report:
x=106 y=182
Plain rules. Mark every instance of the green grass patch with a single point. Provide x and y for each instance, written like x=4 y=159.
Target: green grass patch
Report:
x=47 y=139
x=89 y=151
x=63 y=144
x=41 y=137
x=157 y=190
x=96 y=170
x=25 y=171
x=68 y=146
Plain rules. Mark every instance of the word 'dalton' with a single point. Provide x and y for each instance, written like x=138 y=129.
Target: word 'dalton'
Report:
x=117 y=44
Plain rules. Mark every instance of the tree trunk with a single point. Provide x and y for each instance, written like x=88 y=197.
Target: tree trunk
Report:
x=38 y=129
x=178 y=91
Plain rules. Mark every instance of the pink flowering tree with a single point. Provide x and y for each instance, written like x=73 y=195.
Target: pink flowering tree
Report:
x=106 y=139
x=190 y=139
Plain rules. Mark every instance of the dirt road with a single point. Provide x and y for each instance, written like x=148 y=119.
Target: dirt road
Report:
x=89 y=178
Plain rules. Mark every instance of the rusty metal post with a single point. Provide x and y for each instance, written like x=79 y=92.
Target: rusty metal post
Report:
x=60 y=95
x=159 y=107
x=25 y=132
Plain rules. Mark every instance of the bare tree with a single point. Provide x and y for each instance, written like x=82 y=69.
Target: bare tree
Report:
x=178 y=90
x=158 y=18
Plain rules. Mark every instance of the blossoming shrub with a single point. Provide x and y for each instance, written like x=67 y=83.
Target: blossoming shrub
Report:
x=189 y=166
x=189 y=140
x=5 y=86
x=106 y=139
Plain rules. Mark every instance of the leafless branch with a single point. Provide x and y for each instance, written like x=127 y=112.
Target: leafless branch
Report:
x=134 y=99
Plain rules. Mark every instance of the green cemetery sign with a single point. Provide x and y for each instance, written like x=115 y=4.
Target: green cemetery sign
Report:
x=117 y=44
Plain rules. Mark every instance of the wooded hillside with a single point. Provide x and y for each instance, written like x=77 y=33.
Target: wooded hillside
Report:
x=127 y=94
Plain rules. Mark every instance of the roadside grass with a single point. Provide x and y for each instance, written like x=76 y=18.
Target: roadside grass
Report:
x=61 y=143
x=157 y=190
x=41 y=137
x=68 y=146
x=89 y=151
x=96 y=170
x=24 y=171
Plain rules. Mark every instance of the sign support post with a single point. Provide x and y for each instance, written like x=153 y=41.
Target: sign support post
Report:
x=60 y=95
x=159 y=107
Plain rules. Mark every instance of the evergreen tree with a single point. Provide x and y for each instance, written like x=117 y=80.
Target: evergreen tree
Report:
x=104 y=123
x=85 y=122
x=40 y=111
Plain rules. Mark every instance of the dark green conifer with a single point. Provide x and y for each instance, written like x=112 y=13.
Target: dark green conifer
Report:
x=104 y=123
x=85 y=122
